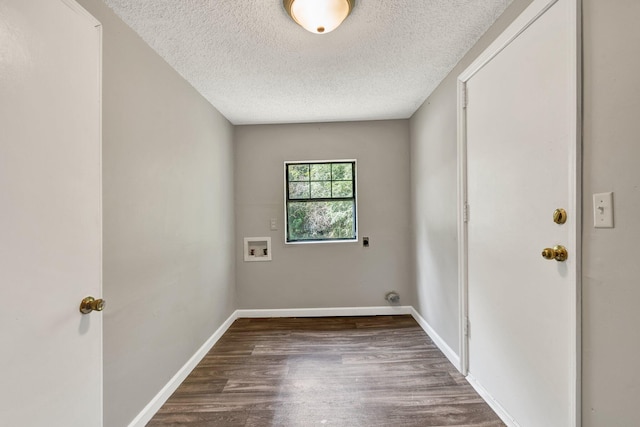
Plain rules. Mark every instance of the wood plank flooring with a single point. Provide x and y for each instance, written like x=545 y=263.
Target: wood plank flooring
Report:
x=336 y=371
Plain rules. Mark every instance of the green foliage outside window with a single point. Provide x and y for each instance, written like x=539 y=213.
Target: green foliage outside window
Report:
x=321 y=202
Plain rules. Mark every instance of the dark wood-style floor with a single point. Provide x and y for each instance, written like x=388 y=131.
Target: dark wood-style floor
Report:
x=336 y=371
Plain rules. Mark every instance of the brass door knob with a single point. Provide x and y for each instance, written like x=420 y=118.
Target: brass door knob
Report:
x=559 y=253
x=90 y=304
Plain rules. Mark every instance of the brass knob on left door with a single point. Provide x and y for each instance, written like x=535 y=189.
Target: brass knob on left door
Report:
x=559 y=253
x=90 y=304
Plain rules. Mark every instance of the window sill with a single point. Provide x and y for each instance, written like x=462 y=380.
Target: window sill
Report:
x=311 y=242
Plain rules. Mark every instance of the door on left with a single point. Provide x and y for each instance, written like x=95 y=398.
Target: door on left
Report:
x=50 y=214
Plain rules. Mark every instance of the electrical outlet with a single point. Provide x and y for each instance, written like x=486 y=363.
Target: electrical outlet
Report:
x=273 y=224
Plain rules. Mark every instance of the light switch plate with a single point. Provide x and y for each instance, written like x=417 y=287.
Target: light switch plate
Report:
x=603 y=210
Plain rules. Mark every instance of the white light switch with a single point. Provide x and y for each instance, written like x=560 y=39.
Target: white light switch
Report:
x=603 y=210
x=274 y=224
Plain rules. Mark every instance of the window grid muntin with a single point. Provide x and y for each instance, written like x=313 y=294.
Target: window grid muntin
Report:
x=308 y=164
x=352 y=198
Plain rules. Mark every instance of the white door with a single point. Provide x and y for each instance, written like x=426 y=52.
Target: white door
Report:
x=50 y=214
x=521 y=121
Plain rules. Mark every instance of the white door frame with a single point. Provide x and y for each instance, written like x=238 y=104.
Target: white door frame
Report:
x=519 y=25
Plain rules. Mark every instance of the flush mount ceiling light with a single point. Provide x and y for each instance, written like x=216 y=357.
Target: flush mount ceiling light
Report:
x=319 y=16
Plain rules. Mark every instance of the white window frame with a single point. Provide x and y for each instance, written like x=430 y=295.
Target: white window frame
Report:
x=355 y=197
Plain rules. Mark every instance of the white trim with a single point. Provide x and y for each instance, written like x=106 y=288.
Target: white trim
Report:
x=159 y=399
x=463 y=305
x=536 y=9
x=77 y=8
x=437 y=339
x=575 y=194
x=359 y=311
x=494 y=404
x=321 y=242
x=325 y=312
x=355 y=200
x=98 y=27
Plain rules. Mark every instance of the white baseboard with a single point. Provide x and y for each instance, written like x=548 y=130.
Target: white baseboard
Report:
x=159 y=399
x=497 y=407
x=437 y=340
x=156 y=403
x=325 y=312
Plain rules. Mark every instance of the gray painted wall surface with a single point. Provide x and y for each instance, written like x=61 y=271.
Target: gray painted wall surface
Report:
x=327 y=274
x=611 y=337
x=611 y=267
x=434 y=194
x=168 y=261
x=168 y=220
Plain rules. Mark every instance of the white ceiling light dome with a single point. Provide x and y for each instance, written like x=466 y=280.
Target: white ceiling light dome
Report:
x=319 y=16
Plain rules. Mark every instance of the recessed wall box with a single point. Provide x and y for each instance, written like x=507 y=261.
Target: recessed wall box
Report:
x=257 y=248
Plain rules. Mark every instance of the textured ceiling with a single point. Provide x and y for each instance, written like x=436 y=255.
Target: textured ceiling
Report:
x=255 y=65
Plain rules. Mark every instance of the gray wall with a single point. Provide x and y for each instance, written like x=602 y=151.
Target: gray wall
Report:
x=434 y=194
x=611 y=337
x=611 y=267
x=168 y=217
x=168 y=220
x=327 y=274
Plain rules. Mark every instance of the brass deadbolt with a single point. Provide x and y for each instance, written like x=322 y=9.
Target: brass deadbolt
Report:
x=90 y=304
x=559 y=253
x=560 y=216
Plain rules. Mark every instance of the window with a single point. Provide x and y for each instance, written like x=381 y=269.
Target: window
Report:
x=320 y=201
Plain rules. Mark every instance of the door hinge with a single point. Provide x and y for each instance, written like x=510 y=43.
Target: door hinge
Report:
x=465 y=96
x=467 y=327
x=465 y=212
